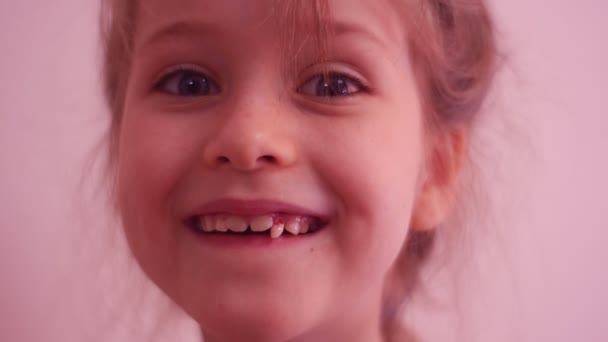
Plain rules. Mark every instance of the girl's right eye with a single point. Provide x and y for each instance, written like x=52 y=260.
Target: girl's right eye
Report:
x=189 y=83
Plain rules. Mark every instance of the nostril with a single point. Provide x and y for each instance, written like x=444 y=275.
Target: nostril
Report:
x=223 y=160
x=268 y=158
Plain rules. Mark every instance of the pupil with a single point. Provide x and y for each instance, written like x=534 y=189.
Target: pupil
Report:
x=192 y=85
x=334 y=86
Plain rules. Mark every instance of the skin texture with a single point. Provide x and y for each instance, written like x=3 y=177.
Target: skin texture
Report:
x=263 y=134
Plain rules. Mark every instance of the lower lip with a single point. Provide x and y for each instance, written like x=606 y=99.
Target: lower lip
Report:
x=252 y=240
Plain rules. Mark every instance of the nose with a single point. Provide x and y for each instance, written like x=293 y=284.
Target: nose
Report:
x=250 y=138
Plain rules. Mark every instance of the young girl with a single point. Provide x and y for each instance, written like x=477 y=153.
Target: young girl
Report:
x=282 y=166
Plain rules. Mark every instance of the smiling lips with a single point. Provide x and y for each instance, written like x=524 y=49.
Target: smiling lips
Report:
x=255 y=217
x=276 y=224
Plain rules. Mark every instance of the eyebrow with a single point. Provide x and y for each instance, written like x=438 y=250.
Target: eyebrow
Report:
x=345 y=28
x=189 y=28
x=180 y=29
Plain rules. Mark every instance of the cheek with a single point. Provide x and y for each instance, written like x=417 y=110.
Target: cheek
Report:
x=153 y=152
x=147 y=165
x=373 y=168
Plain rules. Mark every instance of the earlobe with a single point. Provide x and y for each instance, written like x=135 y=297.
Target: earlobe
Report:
x=441 y=180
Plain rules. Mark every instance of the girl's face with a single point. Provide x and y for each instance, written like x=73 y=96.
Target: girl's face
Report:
x=221 y=133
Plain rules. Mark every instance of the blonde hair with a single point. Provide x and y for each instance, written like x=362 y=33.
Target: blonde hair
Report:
x=453 y=52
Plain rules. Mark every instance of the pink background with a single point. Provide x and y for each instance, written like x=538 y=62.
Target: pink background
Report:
x=541 y=271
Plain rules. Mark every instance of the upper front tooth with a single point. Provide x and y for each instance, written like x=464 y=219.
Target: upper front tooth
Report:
x=219 y=223
x=236 y=224
x=261 y=223
x=293 y=226
x=208 y=224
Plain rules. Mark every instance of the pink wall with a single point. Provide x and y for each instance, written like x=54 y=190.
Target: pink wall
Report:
x=543 y=272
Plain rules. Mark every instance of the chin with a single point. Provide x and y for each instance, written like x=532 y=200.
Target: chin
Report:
x=256 y=318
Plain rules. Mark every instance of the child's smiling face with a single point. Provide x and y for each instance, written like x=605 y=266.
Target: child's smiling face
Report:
x=214 y=124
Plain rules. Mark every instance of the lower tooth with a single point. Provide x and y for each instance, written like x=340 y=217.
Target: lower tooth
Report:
x=277 y=230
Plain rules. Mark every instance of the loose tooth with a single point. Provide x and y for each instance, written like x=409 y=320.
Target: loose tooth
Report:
x=220 y=224
x=261 y=223
x=293 y=226
x=236 y=224
x=207 y=224
x=277 y=230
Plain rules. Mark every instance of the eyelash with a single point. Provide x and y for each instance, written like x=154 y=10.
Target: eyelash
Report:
x=325 y=85
x=177 y=74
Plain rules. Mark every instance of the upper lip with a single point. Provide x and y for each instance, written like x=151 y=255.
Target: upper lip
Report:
x=254 y=208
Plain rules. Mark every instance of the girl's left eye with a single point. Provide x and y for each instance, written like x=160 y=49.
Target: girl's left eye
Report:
x=331 y=85
x=188 y=83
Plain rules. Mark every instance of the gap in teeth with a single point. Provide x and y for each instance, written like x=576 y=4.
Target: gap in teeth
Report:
x=276 y=224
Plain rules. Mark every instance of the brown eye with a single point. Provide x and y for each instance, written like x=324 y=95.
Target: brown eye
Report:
x=331 y=85
x=188 y=83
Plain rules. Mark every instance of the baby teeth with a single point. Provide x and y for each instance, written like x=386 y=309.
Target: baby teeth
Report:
x=236 y=224
x=276 y=223
x=293 y=226
x=208 y=224
x=277 y=230
x=261 y=223
x=220 y=224
x=304 y=227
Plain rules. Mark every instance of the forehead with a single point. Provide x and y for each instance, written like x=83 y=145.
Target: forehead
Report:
x=158 y=19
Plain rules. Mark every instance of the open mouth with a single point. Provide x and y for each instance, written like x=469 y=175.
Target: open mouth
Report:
x=272 y=225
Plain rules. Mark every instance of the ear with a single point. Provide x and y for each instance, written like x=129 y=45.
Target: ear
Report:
x=439 y=179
